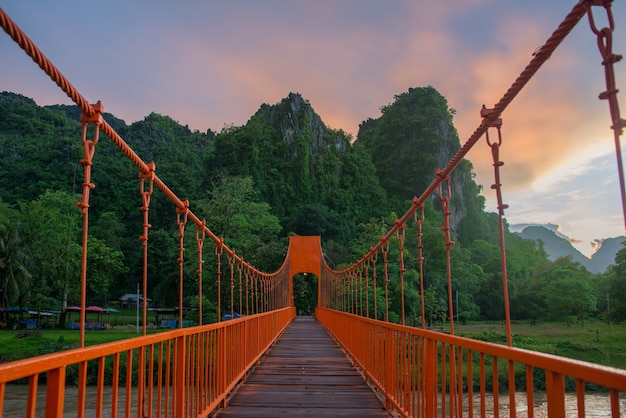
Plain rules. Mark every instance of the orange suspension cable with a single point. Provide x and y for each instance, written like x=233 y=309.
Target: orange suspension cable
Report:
x=497 y=186
x=44 y=63
x=605 y=45
x=89 y=148
x=374 y=258
x=247 y=275
x=367 y=288
x=445 y=207
x=539 y=58
x=200 y=235
x=145 y=207
x=360 y=276
x=219 y=248
x=400 y=233
x=352 y=294
x=420 y=258
x=239 y=273
x=385 y=251
x=231 y=269
x=181 y=220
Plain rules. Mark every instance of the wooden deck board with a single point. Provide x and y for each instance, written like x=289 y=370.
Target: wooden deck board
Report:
x=305 y=374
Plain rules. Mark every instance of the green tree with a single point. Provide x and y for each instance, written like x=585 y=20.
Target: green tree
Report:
x=234 y=212
x=616 y=284
x=14 y=274
x=104 y=264
x=54 y=231
x=305 y=293
x=567 y=290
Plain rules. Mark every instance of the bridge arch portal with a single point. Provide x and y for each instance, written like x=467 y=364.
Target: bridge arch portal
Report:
x=305 y=256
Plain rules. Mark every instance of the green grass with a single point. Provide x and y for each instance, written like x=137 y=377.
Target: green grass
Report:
x=595 y=342
x=51 y=340
x=18 y=344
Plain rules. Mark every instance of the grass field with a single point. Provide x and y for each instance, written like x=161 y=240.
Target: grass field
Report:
x=596 y=342
x=18 y=344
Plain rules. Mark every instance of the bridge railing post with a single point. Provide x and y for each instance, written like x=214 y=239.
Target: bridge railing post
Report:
x=430 y=384
x=179 y=378
x=55 y=392
x=390 y=367
x=555 y=389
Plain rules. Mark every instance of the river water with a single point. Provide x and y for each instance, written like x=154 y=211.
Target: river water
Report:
x=16 y=396
x=596 y=405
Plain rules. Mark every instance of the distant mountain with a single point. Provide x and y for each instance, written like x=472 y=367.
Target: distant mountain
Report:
x=557 y=245
x=605 y=256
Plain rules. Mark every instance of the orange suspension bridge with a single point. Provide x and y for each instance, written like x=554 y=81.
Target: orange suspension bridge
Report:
x=392 y=368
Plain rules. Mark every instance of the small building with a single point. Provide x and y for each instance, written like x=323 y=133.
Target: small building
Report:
x=129 y=301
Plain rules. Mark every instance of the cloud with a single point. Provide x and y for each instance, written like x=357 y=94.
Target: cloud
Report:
x=216 y=63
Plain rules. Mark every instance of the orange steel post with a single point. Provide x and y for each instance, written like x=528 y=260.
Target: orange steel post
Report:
x=32 y=396
x=609 y=58
x=222 y=364
x=88 y=152
x=179 y=378
x=145 y=207
x=445 y=201
x=231 y=269
x=200 y=236
x=580 y=395
x=150 y=378
x=168 y=373
x=389 y=367
x=240 y=288
x=482 y=384
x=385 y=251
x=129 y=381
x=141 y=380
x=470 y=384
x=400 y=234
x=530 y=391
x=497 y=186
x=459 y=381
x=430 y=356
x=367 y=288
x=182 y=215
x=374 y=258
x=495 y=382
x=55 y=392
x=2 y=389
x=615 y=400
x=444 y=380
x=114 y=384
x=420 y=258
x=82 y=386
x=512 y=388
x=219 y=248
x=555 y=388
x=100 y=387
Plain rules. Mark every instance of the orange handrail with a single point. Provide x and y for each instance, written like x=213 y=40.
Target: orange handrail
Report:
x=180 y=373
x=426 y=373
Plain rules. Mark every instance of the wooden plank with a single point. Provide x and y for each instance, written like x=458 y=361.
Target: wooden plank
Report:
x=305 y=374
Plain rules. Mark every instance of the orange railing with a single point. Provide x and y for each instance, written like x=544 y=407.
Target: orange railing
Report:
x=181 y=373
x=427 y=373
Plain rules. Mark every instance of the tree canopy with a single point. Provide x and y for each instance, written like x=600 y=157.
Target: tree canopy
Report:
x=283 y=172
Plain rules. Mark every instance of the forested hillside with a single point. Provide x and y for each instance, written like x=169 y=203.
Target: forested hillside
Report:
x=283 y=172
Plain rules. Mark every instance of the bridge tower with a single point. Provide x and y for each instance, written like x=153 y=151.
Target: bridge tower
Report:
x=305 y=256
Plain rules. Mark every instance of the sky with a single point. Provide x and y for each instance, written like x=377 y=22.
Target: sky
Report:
x=212 y=64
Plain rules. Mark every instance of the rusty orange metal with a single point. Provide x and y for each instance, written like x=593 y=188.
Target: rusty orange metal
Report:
x=429 y=373
x=195 y=369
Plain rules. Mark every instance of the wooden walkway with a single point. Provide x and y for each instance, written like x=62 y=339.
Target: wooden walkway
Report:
x=305 y=374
